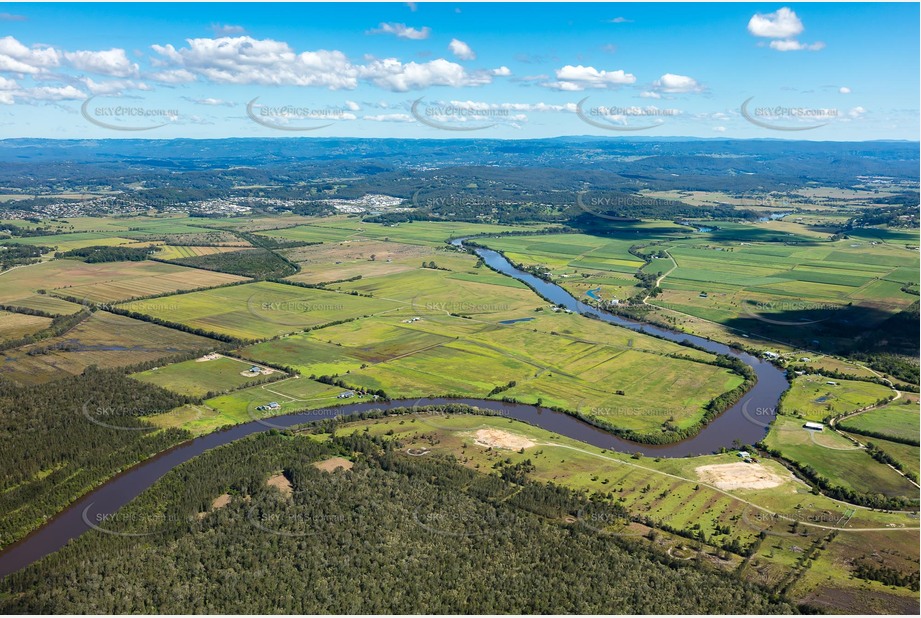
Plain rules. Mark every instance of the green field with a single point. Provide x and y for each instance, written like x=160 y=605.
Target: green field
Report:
x=837 y=459
x=813 y=398
x=200 y=377
x=260 y=310
x=899 y=420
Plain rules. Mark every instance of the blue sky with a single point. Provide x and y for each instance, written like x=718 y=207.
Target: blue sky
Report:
x=455 y=70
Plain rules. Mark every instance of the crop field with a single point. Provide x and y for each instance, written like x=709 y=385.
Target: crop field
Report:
x=107 y=281
x=66 y=242
x=334 y=261
x=172 y=252
x=202 y=376
x=105 y=340
x=16 y=325
x=908 y=456
x=899 y=420
x=836 y=458
x=813 y=398
x=260 y=310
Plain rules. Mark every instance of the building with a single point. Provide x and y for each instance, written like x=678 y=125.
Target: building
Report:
x=816 y=426
x=744 y=454
x=345 y=395
x=255 y=369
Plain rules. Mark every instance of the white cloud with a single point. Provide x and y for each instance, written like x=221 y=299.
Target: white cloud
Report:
x=461 y=50
x=574 y=78
x=649 y=94
x=781 y=24
x=402 y=31
x=844 y=90
x=676 y=84
x=502 y=71
x=792 y=45
x=210 y=101
x=17 y=58
x=352 y=106
x=856 y=112
x=112 y=62
x=620 y=20
x=391 y=74
x=175 y=76
x=245 y=60
x=719 y=129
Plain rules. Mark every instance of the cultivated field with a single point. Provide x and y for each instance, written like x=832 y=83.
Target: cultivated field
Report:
x=208 y=374
x=105 y=340
x=260 y=310
x=815 y=397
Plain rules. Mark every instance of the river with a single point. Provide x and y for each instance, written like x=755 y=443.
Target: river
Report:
x=746 y=422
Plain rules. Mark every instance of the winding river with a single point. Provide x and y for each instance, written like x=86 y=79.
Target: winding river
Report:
x=746 y=422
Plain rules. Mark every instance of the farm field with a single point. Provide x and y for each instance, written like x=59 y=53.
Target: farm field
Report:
x=16 y=325
x=105 y=282
x=813 y=398
x=105 y=340
x=898 y=420
x=199 y=377
x=174 y=252
x=259 y=310
x=836 y=458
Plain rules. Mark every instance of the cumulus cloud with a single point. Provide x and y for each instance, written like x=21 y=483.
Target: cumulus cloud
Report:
x=719 y=129
x=649 y=94
x=17 y=58
x=352 y=106
x=389 y=118
x=620 y=20
x=110 y=87
x=575 y=78
x=112 y=62
x=461 y=50
x=844 y=90
x=856 y=112
x=402 y=31
x=676 y=84
x=781 y=24
x=502 y=71
x=210 y=101
x=391 y=74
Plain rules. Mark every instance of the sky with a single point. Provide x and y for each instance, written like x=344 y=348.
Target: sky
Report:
x=816 y=71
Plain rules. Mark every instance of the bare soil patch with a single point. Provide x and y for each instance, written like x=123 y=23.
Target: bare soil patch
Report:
x=282 y=484
x=333 y=463
x=220 y=502
x=497 y=438
x=739 y=475
x=208 y=357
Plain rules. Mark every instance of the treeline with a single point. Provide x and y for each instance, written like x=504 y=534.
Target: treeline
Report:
x=884 y=458
x=458 y=542
x=901 y=367
x=94 y=255
x=843 y=375
x=59 y=325
x=61 y=441
x=888 y=576
x=20 y=255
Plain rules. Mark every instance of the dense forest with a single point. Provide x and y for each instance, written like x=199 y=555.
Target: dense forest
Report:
x=258 y=263
x=94 y=255
x=60 y=441
x=396 y=534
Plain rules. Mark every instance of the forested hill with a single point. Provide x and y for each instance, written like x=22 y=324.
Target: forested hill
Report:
x=395 y=534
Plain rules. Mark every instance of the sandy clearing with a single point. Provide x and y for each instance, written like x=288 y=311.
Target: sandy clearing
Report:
x=333 y=463
x=497 y=438
x=220 y=502
x=208 y=357
x=739 y=475
x=282 y=484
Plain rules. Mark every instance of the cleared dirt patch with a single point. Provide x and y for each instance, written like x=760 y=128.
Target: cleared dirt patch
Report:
x=497 y=438
x=208 y=357
x=739 y=475
x=282 y=484
x=220 y=502
x=333 y=463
